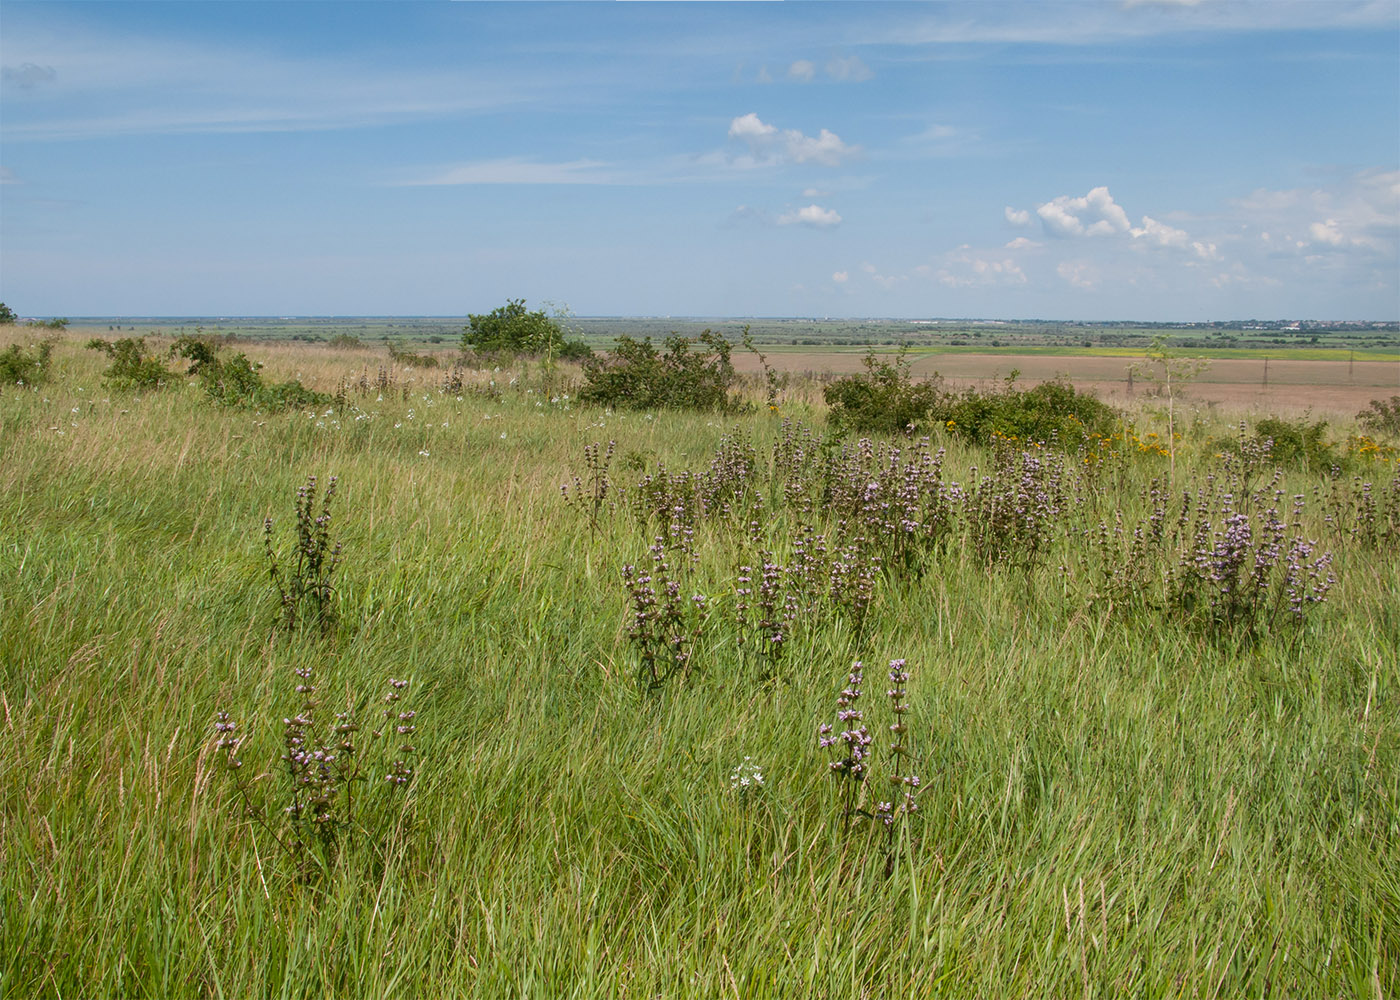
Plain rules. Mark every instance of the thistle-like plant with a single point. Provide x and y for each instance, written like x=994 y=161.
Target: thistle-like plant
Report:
x=315 y=808
x=305 y=593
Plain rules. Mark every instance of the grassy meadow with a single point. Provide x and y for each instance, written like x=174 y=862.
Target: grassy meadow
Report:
x=1122 y=793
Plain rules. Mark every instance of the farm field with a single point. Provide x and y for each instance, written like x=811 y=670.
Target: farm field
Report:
x=1330 y=388
x=581 y=683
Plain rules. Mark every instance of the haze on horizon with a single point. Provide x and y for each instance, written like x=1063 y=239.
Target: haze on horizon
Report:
x=1179 y=161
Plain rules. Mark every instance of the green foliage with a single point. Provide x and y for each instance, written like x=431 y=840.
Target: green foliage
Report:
x=1050 y=411
x=1294 y=444
x=51 y=324
x=882 y=400
x=687 y=375
x=26 y=368
x=885 y=399
x=237 y=381
x=131 y=368
x=404 y=357
x=345 y=340
x=7 y=315
x=512 y=329
x=1382 y=416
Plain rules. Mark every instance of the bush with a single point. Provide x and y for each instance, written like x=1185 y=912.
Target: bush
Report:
x=20 y=367
x=1051 y=411
x=1295 y=444
x=512 y=329
x=638 y=376
x=1382 y=417
x=345 y=340
x=7 y=315
x=403 y=357
x=236 y=381
x=885 y=399
x=131 y=368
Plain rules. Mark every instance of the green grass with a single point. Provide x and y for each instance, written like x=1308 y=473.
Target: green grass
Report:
x=1111 y=806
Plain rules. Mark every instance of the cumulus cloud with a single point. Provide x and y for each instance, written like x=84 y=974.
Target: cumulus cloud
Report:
x=1021 y=243
x=1159 y=234
x=1018 y=217
x=1204 y=250
x=850 y=70
x=1360 y=213
x=768 y=144
x=1095 y=214
x=803 y=71
x=811 y=215
x=750 y=128
x=1079 y=273
x=840 y=277
x=968 y=268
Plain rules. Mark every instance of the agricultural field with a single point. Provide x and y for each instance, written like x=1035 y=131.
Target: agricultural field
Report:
x=391 y=680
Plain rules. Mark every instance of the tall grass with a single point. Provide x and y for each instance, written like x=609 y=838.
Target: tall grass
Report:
x=1111 y=804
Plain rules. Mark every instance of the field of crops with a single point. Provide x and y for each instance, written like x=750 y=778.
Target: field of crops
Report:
x=451 y=686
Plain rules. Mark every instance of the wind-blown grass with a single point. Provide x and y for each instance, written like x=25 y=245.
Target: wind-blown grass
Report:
x=1110 y=805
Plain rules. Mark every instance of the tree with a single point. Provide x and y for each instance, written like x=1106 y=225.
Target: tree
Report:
x=7 y=315
x=512 y=329
x=1168 y=370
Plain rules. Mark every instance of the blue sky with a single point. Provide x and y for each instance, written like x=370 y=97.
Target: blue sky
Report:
x=1084 y=160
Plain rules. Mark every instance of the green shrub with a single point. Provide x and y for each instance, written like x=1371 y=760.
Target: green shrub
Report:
x=21 y=367
x=7 y=315
x=345 y=340
x=237 y=381
x=1382 y=416
x=638 y=376
x=1288 y=443
x=512 y=329
x=1050 y=411
x=883 y=399
x=403 y=357
x=131 y=368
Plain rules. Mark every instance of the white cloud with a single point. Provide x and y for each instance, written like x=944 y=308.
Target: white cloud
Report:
x=804 y=71
x=968 y=268
x=850 y=69
x=840 y=277
x=1327 y=232
x=815 y=193
x=763 y=75
x=768 y=145
x=751 y=128
x=812 y=215
x=1021 y=243
x=1205 y=251
x=1018 y=216
x=1079 y=273
x=1159 y=234
x=1359 y=214
x=1095 y=214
